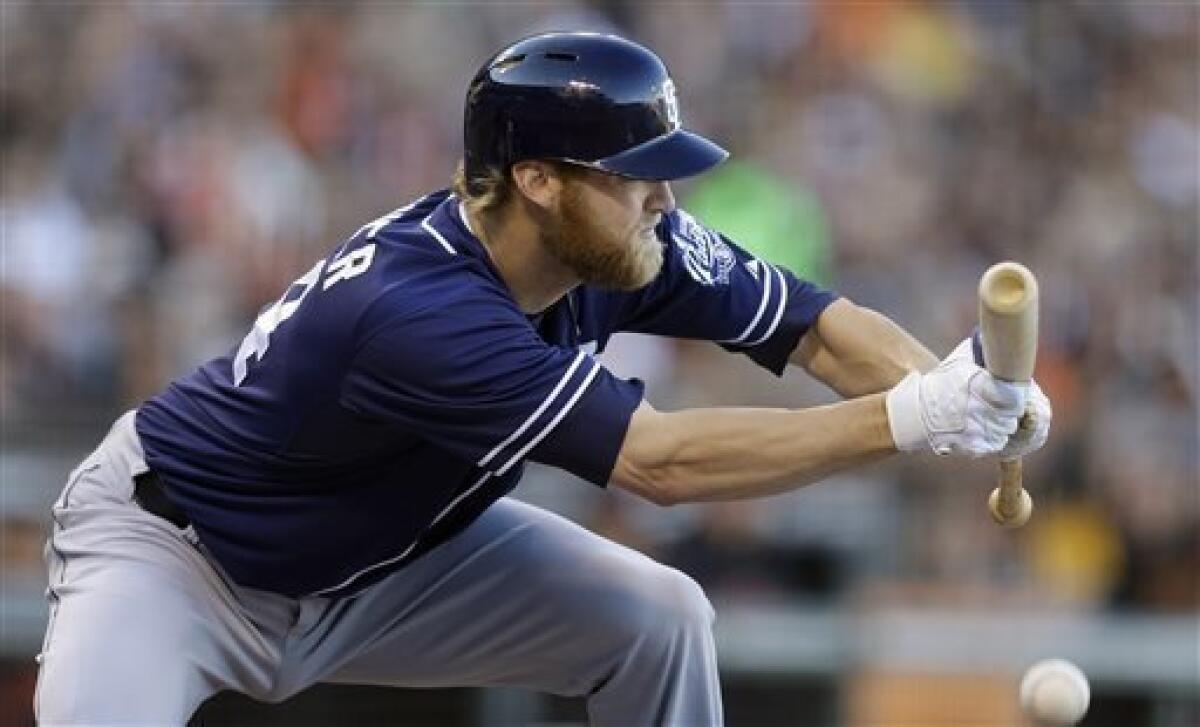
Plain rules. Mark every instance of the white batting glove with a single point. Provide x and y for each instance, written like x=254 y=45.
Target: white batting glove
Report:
x=956 y=409
x=1035 y=426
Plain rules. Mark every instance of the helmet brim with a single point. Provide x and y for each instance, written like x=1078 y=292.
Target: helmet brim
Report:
x=676 y=155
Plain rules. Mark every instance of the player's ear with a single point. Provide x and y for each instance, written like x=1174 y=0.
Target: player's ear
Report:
x=536 y=182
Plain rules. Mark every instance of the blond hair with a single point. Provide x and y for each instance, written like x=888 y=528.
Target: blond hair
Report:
x=484 y=193
x=487 y=191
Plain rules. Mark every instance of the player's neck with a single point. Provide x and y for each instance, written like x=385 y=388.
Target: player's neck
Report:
x=535 y=279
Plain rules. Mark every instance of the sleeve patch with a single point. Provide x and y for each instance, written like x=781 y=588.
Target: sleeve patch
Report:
x=705 y=255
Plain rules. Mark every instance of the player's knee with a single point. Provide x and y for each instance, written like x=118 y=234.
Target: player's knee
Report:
x=668 y=602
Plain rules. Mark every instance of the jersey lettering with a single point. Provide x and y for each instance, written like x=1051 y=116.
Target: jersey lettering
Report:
x=352 y=265
x=258 y=340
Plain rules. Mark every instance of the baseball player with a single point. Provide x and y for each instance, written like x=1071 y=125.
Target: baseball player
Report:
x=328 y=502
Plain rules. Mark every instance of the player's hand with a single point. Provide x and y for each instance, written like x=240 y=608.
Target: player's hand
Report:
x=1034 y=427
x=956 y=409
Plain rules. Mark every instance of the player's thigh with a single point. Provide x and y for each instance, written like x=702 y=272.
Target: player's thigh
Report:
x=522 y=597
x=141 y=628
x=119 y=657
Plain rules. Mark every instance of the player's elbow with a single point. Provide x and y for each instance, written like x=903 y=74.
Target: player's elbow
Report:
x=648 y=482
x=643 y=463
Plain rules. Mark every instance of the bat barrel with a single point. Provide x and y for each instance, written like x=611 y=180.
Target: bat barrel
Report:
x=1008 y=320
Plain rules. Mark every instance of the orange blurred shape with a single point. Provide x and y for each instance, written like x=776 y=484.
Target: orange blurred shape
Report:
x=855 y=29
x=1059 y=377
x=313 y=100
x=877 y=698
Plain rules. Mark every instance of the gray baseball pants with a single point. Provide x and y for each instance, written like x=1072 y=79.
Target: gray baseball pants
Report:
x=144 y=627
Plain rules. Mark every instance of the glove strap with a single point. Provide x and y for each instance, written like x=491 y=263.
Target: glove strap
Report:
x=904 y=414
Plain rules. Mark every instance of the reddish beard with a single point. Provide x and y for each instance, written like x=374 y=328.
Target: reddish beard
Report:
x=593 y=252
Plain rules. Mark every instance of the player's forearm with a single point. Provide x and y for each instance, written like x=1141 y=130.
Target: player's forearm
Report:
x=857 y=351
x=701 y=455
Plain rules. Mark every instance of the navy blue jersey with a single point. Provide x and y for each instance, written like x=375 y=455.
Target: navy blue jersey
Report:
x=395 y=390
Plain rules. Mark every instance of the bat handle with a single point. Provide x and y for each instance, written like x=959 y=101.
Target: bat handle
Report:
x=1010 y=504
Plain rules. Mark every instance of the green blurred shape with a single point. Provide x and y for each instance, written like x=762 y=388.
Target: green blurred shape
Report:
x=768 y=216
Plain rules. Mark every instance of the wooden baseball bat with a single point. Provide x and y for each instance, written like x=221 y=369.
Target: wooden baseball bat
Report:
x=1008 y=324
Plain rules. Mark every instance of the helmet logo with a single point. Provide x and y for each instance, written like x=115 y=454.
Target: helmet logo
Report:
x=671 y=103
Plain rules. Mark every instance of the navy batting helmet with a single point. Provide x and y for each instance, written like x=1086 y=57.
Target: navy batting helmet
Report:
x=586 y=98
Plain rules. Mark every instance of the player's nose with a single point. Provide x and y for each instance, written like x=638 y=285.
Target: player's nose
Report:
x=661 y=199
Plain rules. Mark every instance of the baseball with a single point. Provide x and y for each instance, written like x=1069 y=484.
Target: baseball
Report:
x=1055 y=692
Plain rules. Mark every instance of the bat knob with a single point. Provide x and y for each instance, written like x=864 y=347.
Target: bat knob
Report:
x=1008 y=510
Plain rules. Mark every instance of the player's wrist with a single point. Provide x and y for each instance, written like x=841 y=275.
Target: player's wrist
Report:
x=904 y=414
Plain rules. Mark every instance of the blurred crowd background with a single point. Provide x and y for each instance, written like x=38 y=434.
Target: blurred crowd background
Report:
x=169 y=167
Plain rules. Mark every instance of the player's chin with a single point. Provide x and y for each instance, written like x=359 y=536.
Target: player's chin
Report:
x=631 y=270
x=645 y=263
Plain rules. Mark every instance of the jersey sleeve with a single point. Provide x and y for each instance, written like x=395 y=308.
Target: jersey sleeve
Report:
x=472 y=377
x=711 y=289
